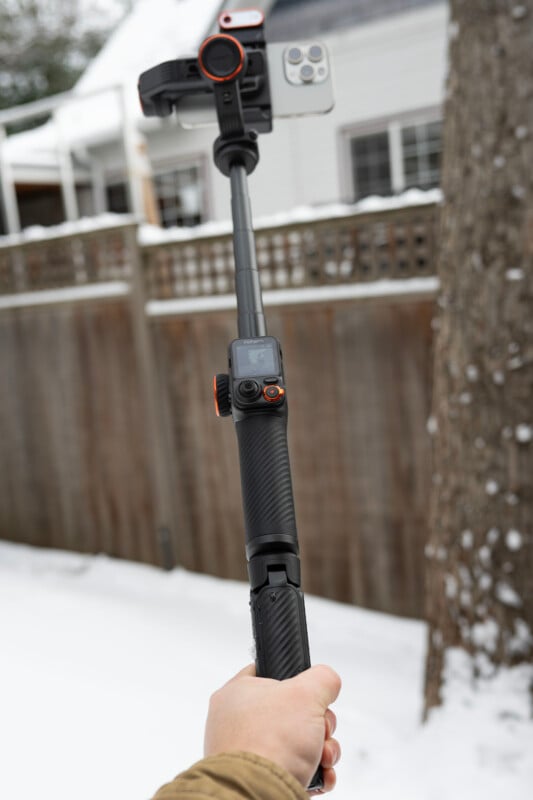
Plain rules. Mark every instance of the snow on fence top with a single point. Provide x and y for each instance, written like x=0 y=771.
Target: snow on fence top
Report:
x=152 y=235
x=378 y=239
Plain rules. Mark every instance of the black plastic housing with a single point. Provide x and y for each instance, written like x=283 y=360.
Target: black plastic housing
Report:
x=162 y=87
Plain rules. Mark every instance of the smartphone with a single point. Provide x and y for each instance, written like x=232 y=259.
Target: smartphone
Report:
x=300 y=84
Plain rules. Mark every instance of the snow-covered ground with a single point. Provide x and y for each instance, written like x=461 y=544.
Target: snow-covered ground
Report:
x=106 y=668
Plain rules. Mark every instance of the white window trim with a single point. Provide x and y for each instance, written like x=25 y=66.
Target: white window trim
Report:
x=393 y=126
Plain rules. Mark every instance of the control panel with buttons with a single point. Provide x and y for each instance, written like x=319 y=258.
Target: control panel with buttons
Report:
x=255 y=381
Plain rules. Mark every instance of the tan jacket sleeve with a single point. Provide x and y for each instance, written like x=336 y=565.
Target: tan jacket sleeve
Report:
x=233 y=776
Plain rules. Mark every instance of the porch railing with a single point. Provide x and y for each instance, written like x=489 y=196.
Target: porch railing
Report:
x=390 y=244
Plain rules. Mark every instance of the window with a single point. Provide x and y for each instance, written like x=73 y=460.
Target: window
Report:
x=179 y=194
x=117 y=198
x=421 y=146
x=397 y=157
x=371 y=164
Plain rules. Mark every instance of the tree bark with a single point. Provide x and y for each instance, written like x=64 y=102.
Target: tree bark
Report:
x=480 y=547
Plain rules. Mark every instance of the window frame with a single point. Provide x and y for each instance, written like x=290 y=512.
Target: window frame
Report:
x=392 y=125
x=159 y=166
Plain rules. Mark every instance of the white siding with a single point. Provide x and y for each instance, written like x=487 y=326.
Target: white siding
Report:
x=381 y=70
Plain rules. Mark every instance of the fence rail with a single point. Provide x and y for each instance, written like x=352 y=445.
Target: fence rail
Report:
x=109 y=442
x=356 y=248
x=65 y=261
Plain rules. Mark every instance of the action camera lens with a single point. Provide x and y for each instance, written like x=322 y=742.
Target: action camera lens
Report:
x=307 y=73
x=295 y=55
x=316 y=53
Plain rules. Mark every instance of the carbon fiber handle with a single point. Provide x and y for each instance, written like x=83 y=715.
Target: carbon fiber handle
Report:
x=278 y=610
x=280 y=632
x=266 y=479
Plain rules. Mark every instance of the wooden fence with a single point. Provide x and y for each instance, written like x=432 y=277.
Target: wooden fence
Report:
x=109 y=439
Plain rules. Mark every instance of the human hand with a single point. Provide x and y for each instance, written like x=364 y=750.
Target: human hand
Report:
x=288 y=721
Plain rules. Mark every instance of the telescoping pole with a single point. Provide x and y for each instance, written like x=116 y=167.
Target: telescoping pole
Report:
x=250 y=314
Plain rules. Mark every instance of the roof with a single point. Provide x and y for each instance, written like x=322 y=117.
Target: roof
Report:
x=154 y=31
x=302 y=19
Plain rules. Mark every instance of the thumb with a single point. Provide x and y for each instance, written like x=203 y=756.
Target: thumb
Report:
x=322 y=681
x=246 y=672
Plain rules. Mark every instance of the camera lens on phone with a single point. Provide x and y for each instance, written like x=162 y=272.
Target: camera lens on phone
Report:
x=307 y=73
x=295 y=55
x=316 y=53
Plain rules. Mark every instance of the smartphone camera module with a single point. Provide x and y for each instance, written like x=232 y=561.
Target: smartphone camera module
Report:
x=294 y=55
x=307 y=73
x=306 y=64
x=315 y=53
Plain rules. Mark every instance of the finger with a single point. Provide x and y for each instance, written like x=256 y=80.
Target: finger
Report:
x=330 y=779
x=324 y=679
x=331 y=723
x=331 y=753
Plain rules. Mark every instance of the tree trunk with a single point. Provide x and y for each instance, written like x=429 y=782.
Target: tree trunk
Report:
x=480 y=549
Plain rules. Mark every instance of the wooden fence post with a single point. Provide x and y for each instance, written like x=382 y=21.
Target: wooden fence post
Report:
x=158 y=441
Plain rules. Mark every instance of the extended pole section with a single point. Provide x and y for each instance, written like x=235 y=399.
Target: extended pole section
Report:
x=250 y=315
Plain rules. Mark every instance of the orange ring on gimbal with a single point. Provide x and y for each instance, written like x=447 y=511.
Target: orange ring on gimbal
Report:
x=234 y=74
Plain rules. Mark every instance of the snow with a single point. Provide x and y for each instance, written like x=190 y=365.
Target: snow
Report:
x=524 y=433
x=507 y=595
x=493 y=535
x=107 y=667
x=353 y=291
x=153 y=32
x=513 y=539
x=472 y=373
x=515 y=274
x=432 y=425
x=40 y=233
x=68 y=295
x=467 y=539
x=484 y=635
x=153 y=235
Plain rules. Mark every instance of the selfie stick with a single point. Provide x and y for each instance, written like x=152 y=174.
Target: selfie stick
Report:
x=254 y=394
x=254 y=391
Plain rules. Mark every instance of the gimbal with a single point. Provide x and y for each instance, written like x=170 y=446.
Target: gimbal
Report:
x=233 y=66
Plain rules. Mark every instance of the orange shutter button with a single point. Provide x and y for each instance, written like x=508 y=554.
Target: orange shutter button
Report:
x=273 y=393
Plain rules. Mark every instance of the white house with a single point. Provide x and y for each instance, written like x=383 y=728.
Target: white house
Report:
x=383 y=136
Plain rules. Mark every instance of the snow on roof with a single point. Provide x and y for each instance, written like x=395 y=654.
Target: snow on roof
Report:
x=154 y=31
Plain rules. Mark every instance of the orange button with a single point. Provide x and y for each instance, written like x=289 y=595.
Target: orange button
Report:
x=273 y=393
